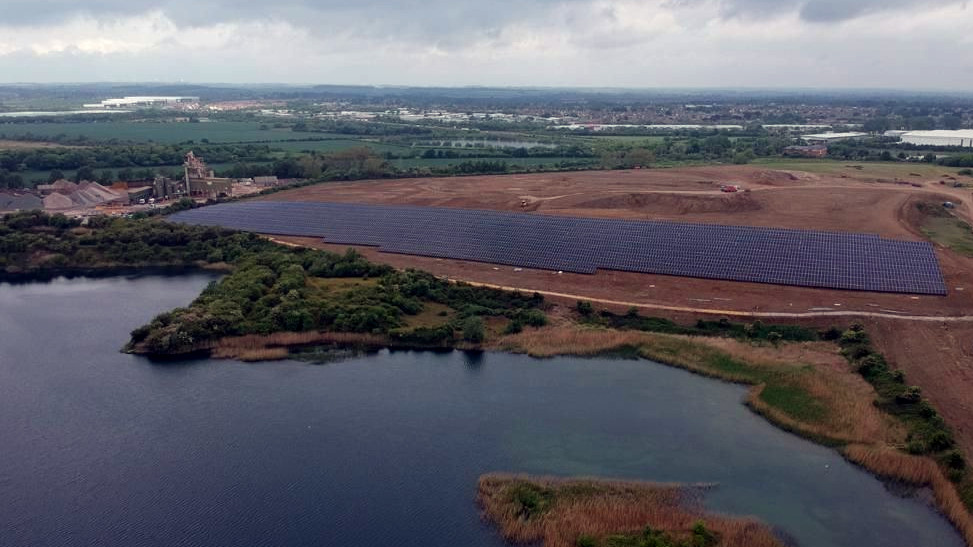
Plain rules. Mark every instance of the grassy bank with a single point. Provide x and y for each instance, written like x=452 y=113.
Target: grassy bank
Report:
x=943 y=227
x=592 y=513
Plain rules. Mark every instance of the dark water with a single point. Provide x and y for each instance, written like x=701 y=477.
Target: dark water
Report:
x=101 y=448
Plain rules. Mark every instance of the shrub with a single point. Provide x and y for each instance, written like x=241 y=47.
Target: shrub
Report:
x=940 y=441
x=534 y=318
x=532 y=501
x=954 y=459
x=474 y=330
x=854 y=336
x=702 y=536
x=833 y=333
x=911 y=395
x=513 y=327
x=585 y=308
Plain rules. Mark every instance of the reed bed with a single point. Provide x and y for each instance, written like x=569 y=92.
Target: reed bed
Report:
x=917 y=470
x=266 y=347
x=598 y=509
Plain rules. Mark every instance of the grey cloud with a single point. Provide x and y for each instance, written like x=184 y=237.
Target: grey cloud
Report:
x=822 y=11
x=445 y=24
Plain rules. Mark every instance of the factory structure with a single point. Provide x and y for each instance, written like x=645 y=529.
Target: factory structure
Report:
x=142 y=102
x=961 y=137
x=201 y=181
x=827 y=138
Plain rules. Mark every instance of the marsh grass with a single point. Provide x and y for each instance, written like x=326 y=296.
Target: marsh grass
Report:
x=917 y=470
x=565 y=510
x=268 y=347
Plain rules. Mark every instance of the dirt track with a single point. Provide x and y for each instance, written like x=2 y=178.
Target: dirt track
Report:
x=935 y=355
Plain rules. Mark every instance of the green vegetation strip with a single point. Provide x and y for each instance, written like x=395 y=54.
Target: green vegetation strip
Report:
x=941 y=226
x=928 y=434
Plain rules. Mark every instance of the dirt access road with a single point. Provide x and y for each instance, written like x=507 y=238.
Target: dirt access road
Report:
x=936 y=355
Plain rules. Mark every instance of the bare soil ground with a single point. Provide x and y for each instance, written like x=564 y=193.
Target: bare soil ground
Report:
x=934 y=355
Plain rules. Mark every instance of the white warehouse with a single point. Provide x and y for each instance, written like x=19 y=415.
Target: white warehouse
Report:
x=961 y=137
x=141 y=102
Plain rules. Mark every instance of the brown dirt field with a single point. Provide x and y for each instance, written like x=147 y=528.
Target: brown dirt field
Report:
x=939 y=358
x=839 y=198
x=775 y=198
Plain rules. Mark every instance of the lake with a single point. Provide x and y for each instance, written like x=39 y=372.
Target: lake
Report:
x=103 y=448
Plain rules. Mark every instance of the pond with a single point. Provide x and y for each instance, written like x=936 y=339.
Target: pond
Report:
x=103 y=448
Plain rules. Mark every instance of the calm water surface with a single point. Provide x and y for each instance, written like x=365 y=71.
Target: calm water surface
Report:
x=102 y=448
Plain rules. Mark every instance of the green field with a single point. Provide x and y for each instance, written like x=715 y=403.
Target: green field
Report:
x=341 y=143
x=625 y=139
x=878 y=169
x=949 y=231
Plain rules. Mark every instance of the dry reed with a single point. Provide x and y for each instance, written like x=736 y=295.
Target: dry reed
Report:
x=265 y=347
x=891 y=463
x=599 y=508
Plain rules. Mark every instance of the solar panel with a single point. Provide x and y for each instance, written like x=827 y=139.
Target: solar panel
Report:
x=864 y=262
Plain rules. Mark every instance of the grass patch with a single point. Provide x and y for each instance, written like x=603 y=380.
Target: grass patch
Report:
x=949 y=231
x=433 y=314
x=794 y=401
x=723 y=327
x=860 y=169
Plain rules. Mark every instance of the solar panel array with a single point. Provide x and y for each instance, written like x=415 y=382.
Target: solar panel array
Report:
x=583 y=245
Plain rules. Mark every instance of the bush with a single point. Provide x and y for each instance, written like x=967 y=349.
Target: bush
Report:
x=534 y=318
x=912 y=395
x=854 y=336
x=954 y=460
x=474 y=330
x=940 y=441
x=513 y=327
x=833 y=333
x=585 y=308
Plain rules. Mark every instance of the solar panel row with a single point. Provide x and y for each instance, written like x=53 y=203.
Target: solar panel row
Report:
x=864 y=262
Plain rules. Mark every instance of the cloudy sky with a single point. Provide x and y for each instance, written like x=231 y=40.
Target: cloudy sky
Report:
x=907 y=44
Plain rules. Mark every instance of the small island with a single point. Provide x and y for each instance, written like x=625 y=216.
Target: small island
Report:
x=556 y=512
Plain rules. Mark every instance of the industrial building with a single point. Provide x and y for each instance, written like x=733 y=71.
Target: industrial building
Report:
x=825 y=138
x=813 y=151
x=961 y=137
x=141 y=102
x=202 y=182
x=266 y=182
